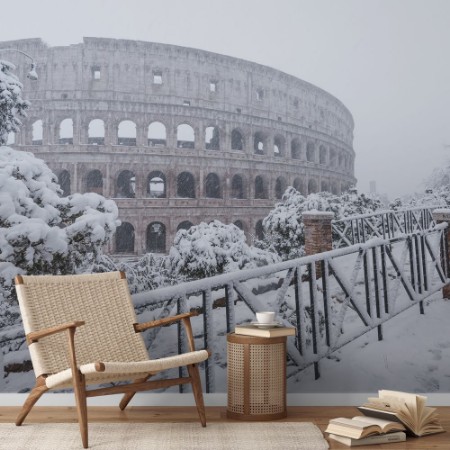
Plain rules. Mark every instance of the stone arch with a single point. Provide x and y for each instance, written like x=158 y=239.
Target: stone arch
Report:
x=185 y=185
x=332 y=157
x=212 y=186
x=238 y=187
x=237 y=140
x=37 y=131
x=64 y=182
x=299 y=185
x=340 y=160
x=157 y=134
x=259 y=230
x=259 y=143
x=261 y=191
x=66 y=132
x=296 y=149
x=334 y=188
x=280 y=187
x=126 y=133
x=240 y=224
x=312 y=186
x=212 y=138
x=324 y=187
x=278 y=145
x=96 y=132
x=125 y=238
x=156 y=238
x=94 y=182
x=185 y=136
x=322 y=155
x=156 y=184
x=126 y=184
x=185 y=225
x=310 y=152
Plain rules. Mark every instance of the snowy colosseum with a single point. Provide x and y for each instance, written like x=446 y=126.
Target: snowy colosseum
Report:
x=178 y=135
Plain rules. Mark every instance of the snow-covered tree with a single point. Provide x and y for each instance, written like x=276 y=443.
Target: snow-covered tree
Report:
x=12 y=105
x=41 y=232
x=210 y=249
x=284 y=229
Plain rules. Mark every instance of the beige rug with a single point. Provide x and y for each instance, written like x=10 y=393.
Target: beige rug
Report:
x=165 y=436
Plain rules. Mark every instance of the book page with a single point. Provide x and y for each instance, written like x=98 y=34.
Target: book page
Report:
x=352 y=423
x=383 y=424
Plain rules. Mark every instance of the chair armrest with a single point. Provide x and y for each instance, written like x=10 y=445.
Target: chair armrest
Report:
x=34 y=336
x=161 y=322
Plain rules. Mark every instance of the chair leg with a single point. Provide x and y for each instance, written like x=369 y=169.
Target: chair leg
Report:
x=197 y=390
x=129 y=395
x=31 y=400
x=79 y=387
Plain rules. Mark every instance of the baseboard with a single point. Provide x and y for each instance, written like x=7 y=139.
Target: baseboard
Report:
x=149 y=399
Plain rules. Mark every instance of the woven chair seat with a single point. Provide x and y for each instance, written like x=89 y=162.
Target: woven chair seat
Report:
x=123 y=371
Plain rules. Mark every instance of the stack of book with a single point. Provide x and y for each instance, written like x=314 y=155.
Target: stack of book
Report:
x=261 y=330
x=387 y=419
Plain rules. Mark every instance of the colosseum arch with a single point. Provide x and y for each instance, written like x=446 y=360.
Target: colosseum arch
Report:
x=259 y=143
x=261 y=188
x=237 y=140
x=185 y=185
x=278 y=146
x=259 y=230
x=156 y=238
x=96 y=132
x=126 y=133
x=94 y=182
x=185 y=136
x=156 y=184
x=334 y=188
x=299 y=185
x=310 y=152
x=212 y=186
x=280 y=187
x=332 y=157
x=340 y=160
x=324 y=186
x=238 y=187
x=312 y=186
x=322 y=155
x=185 y=225
x=240 y=224
x=125 y=238
x=126 y=184
x=157 y=135
x=212 y=138
x=66 y=132
x=64 y=182
x=37 y=131
x=296 y=149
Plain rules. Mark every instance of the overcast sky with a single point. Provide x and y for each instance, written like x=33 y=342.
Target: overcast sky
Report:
x=388 y=61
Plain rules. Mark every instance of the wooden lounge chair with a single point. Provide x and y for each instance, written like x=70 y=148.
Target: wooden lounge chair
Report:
x=107 y=346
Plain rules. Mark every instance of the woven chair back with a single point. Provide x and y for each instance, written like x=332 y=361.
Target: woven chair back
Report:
x=102 y=300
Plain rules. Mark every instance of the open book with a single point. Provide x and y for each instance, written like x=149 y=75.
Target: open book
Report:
x=362 y=426
x=406 y=408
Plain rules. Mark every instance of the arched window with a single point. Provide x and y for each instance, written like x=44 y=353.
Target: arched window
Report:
x=185 y=136
x=157 y=135
x=332 y=158
x=278 y=146
x=296 y=149
x=323 y=155
x=212 y=186
x=310 y=152
x=239 y=224
x=37 y=131
x=212 y=141
x=324 y=186
x=185 y=185
x=185 y=225
x=259 y=141
x=237 y=187
x=280 y=187
x=96 y=132
x=334 y=188
x=126 y=185
x=298 y=185
x=125 y=238
x=237 y=141
x=94 y=182
x=64 y=182
x=126 y=133
x=156 y=185
x=66 y=132
x=259 y=230
x=260 y=187
x=312 y=186
x=156 y=238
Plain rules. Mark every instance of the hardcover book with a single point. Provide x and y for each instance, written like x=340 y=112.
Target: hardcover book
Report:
x=399 y=436
x=255 y=330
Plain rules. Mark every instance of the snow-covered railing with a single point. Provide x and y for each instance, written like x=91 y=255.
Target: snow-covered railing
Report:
x=385 y=224
x=361 y=287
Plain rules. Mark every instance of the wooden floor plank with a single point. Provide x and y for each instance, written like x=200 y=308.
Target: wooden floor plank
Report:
x=320 y=415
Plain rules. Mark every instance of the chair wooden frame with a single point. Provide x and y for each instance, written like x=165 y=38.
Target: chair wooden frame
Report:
x=129 y=390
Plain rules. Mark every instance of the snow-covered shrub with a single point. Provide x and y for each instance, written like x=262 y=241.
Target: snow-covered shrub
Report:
x=284 y=229
x=12 y=106
x=210 y=249
x=41 y=232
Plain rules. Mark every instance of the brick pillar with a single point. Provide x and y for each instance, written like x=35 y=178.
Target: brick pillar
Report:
x=318 y=236
x=443 y=215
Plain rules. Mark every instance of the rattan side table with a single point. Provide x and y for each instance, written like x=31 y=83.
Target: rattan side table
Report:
x=256 y=374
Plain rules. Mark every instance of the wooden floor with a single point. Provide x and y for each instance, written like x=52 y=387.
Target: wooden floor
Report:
x=318 y=415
